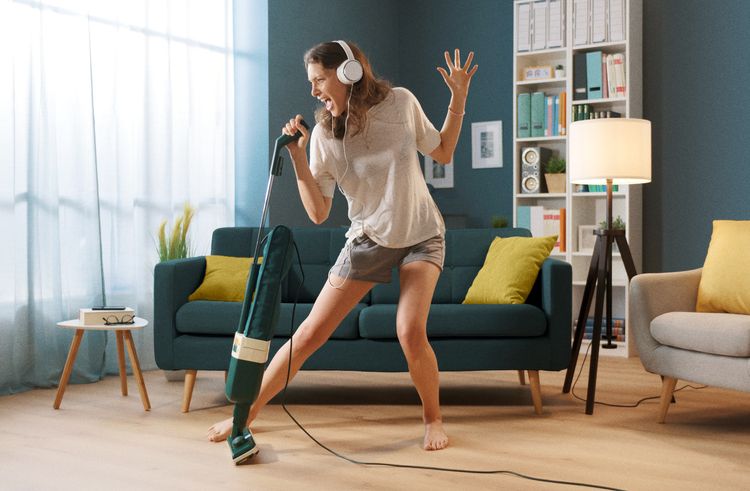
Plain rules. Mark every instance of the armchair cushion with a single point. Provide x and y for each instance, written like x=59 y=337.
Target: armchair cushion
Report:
x=717 y=334
x=510 y=270
x=725 y=282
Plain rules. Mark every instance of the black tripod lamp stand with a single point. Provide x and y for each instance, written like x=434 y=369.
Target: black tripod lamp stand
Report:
x=605 y=151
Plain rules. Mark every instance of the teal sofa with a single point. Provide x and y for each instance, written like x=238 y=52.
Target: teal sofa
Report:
x=529 y=337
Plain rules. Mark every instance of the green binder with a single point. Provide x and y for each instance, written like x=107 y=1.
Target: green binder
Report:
x=524 y=115
x=537 y=114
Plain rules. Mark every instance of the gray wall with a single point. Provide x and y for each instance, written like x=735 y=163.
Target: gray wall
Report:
x=294 y=27
x=696 y=76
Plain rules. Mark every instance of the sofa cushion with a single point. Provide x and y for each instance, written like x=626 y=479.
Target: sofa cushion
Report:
x=225 y=279
x=450 y=321
x=725 y=279
x=718 y=334
x=348 y=329
x=221 y=318
x=465 y=250
x=510 y=270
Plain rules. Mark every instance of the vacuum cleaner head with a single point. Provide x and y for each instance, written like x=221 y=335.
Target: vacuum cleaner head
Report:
x=242 y=446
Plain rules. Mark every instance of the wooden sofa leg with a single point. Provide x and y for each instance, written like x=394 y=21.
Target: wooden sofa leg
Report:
x=536 y=390
x=187 y=392
x=521 y=378
x=667 y=388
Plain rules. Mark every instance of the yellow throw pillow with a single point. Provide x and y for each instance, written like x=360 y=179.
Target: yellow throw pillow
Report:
x=725 y=280
x=510 y=270
x=225 y=279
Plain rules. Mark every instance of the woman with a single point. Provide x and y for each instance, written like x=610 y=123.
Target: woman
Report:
x=366 y=141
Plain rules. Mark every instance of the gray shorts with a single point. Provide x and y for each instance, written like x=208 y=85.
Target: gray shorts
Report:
x=363 y=259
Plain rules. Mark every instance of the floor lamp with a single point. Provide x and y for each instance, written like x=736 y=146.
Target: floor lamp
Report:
x=605 y=151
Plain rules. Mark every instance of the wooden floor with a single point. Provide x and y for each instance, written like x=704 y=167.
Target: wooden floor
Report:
x=99 y=439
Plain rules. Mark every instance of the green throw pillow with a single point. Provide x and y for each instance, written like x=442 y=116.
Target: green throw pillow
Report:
x=510 y=270
x=225 y=279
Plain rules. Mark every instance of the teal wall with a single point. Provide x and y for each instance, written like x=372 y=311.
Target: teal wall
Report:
x=696 y=75
x=405 y=42
x=695 y=78
x=295 y=26
x=430 y=27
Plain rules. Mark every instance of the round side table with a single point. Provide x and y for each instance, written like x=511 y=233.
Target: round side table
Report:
x=124 y=337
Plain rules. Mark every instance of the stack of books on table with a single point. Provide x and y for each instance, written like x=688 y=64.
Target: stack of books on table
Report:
x=104 y=316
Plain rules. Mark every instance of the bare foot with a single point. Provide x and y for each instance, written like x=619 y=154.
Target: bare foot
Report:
x=220 y=431
x=435 y=437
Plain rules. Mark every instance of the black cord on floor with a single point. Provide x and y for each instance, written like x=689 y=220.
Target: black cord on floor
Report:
x=400 y=466
x=636 y=404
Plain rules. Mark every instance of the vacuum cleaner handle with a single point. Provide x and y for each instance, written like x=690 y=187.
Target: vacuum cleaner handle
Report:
x=284 y=140
x=281 y=142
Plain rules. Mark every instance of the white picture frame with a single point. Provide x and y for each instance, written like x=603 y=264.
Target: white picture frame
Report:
x=440 y=176
x=487 y=145
x=586 y=238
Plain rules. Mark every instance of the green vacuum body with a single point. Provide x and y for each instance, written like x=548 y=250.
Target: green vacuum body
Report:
x=252 y=341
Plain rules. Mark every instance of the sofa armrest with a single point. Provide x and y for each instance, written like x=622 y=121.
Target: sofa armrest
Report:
x=555 y=281
x=654 y=294
x=174 y=281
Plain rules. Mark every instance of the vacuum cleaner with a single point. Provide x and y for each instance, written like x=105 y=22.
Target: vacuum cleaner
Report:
x=260 y=313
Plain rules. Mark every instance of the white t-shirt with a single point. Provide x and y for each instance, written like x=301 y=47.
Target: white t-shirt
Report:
x=381 y=176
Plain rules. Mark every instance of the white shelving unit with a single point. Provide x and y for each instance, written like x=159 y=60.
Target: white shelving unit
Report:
x=584 y=208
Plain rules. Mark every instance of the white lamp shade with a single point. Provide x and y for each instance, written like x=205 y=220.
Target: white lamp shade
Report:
x=610 y=148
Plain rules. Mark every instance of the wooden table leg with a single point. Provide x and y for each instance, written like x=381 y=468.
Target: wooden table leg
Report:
x=136 y=369
x=72 y=353
x=121 y=361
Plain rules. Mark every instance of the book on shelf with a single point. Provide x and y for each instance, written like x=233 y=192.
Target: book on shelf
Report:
x=586 y=111
x=562 y=115
x=596 y=21
x=540 y=24
x=537 y=114
x=554 y=224
x=524 y=115
x=594 y=75
x=580 y=87
x=598 y=76
x=531 y=218
x=618 y=328
x=618 y=60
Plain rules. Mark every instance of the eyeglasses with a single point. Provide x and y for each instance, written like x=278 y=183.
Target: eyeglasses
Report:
x=113 y=320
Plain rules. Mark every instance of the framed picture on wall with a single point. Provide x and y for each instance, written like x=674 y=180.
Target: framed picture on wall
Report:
x=438 y=175
x=486 y=145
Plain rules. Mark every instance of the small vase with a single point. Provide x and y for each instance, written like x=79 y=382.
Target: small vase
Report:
x=555 y=182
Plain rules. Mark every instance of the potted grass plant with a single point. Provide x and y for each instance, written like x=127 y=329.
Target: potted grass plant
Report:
x=177 y=244
x=554 y=175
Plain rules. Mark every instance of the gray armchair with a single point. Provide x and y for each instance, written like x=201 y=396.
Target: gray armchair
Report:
x=676 y=342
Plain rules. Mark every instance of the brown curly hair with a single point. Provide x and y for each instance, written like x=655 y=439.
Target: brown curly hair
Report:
x=366 y=93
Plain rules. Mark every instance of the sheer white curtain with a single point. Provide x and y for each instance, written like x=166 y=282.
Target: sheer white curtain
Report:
x=112 y=115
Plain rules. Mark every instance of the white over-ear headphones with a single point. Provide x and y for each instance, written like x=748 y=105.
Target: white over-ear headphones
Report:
x=350 y=71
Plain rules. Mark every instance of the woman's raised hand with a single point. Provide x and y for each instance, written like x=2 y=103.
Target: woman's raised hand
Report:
x=459 y=77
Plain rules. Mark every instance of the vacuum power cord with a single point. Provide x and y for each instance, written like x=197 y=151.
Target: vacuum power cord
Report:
x=385 y=464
